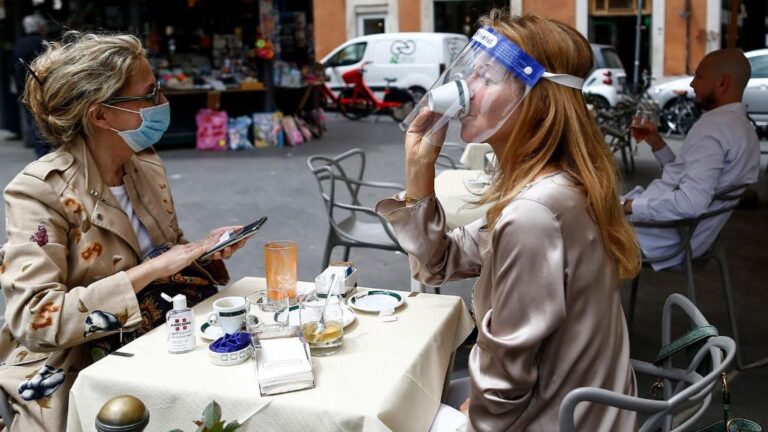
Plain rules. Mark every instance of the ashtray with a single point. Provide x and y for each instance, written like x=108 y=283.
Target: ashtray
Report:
x=230 y=350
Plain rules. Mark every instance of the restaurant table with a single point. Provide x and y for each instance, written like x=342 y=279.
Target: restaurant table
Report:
x=388 y=376
x=454 y=194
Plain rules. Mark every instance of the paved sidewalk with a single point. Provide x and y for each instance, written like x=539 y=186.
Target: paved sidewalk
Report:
x=214 y=189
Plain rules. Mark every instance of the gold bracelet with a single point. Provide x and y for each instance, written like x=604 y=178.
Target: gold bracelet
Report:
x=409 y=201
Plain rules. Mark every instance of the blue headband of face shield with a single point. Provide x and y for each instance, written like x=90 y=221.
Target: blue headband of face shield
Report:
x=517 y=61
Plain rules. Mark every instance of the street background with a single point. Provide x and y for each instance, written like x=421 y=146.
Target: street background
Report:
x=216 y=189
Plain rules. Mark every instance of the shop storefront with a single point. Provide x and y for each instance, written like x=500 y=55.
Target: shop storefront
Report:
x=239 y=57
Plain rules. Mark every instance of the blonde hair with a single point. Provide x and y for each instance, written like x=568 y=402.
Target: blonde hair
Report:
x=73 y=74
x=555 y=130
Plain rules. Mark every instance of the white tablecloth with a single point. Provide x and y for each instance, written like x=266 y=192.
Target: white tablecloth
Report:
x=455 y=197
x=389 y=376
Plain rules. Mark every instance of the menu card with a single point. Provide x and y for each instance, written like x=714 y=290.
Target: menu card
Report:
x=283 y=365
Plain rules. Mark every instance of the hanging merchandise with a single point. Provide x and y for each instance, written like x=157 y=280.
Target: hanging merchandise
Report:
x=263 y=48
x=211 y=130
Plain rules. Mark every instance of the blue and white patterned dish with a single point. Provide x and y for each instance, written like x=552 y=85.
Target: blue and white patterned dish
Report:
x=231 y=358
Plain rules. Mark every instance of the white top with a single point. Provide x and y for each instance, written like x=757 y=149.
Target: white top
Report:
x=121 y=195
x=720 y=151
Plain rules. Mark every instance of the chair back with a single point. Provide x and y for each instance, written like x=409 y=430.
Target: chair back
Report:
x=686 y=228
x=683 y=388
x=340 y=181
x=346 y=167
x=615 y=138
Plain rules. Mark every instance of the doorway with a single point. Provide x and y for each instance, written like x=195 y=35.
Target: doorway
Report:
x=371 y=24
x=619 y=32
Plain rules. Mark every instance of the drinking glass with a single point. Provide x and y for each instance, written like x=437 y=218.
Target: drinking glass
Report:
x=280 y=261
x=267 y=313
x=641 y=124
x=322 y=323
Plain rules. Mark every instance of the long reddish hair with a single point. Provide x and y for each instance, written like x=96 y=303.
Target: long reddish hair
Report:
x=555 y=130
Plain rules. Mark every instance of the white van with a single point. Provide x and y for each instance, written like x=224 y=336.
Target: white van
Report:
x=414 y=60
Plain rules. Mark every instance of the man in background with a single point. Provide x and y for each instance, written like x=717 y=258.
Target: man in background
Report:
x=720 y=151
x=27 y=48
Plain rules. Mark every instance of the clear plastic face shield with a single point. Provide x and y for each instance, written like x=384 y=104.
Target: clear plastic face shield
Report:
x=479 y=91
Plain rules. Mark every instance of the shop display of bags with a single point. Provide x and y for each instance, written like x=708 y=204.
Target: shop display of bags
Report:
x=278 y=132
x=238 y=133
x=216 y=131
x=292 y=132
x=211 y=130
x=262 y=129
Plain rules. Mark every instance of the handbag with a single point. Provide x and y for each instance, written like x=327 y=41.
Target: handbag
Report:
x=153 y=308
x=691 y=342
x=729 y=423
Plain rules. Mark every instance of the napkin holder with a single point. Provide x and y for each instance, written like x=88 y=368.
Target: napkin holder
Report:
x=346 y=271
x=259 y=364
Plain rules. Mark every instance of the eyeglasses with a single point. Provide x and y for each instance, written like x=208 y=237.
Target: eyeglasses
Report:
x=154 y=97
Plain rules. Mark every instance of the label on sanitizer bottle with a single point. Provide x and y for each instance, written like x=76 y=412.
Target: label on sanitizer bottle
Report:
x=181 y=331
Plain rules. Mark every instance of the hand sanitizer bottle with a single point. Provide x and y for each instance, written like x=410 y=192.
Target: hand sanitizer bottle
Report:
x=180 y=324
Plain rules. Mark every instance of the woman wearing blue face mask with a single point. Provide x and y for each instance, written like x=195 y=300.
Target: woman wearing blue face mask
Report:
x=91 y=228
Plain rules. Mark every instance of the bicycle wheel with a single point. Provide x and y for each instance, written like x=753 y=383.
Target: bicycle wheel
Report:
x=354 y=108
x=686 y=114
x=400 y=112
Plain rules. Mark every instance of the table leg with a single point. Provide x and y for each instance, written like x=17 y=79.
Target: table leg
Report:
x=417 y=286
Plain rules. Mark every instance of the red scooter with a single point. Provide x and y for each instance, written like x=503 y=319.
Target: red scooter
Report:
x=357 y=100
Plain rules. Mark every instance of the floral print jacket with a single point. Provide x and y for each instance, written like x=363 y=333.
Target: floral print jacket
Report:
x=63 y=271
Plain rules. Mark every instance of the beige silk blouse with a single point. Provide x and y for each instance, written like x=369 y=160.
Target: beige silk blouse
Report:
x=546 y=304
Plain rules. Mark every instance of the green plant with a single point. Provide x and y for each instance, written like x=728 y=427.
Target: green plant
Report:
x=212 y=422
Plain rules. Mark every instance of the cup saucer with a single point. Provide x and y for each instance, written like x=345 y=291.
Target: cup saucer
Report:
x=210 y=332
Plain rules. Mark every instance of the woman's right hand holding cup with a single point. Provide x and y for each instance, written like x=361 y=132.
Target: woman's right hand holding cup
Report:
x=421 y=152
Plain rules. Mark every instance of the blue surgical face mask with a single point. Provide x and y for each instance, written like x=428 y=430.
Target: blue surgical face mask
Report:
x=154 y=123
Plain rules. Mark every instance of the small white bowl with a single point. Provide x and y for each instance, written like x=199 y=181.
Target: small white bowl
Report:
x=230 y=358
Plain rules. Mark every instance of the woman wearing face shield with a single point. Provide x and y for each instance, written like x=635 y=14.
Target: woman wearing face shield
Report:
x=83 y=221
x=552 y=249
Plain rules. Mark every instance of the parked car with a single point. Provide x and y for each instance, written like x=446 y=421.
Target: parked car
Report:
x=415 y=60
x=755 y=95
x=605 y=84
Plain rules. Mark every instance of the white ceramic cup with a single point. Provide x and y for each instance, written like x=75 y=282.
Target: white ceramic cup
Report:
x=228 y=313
x=450 y=99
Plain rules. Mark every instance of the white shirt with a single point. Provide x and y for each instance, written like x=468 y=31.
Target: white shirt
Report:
x=121 y=195
x=720 y=151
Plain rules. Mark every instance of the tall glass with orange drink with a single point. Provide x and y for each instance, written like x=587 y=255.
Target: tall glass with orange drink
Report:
x=281 y=262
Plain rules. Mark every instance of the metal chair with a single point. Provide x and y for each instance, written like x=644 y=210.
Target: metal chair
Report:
x=619 y=142
x=340 y=179
x=352 y=224
x=686 y=228
x=682 y=389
